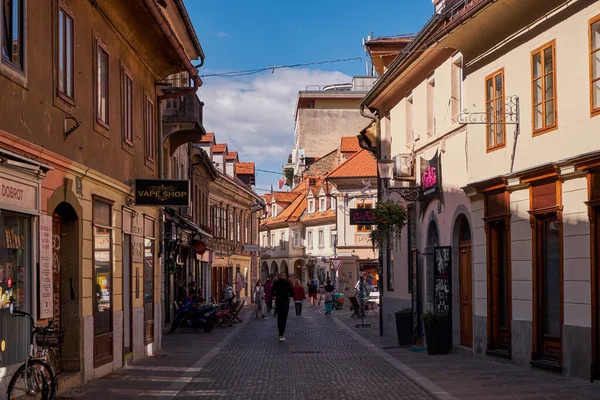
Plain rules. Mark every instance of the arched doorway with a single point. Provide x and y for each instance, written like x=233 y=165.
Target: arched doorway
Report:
x=274 y=269
x=465 y=282
x=298 y=269
x=264 y=271
x=66 y=280
x=284 y=268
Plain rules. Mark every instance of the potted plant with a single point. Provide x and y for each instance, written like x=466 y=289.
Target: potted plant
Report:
x=404 y=326
x=437 y=332
x=390 y=218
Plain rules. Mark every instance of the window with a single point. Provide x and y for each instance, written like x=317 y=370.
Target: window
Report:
x=282 y=241
x=410 y=134
x=149 y=131
x=309 y=239
x=456 y=89
x=12 y=33
x=238 y=228
x=333 y=238
x=232 y=225
x=65 y=54
x=274 y=210
x=148 y=270
x=431 y=106
x=127 y=108
x=494 y=105
x=297 y=239
x=544 y=88
x=262 y=240
x=311 y=206
x=246 y=224
x=321 y=239
x=272 y=240
x=322 y=207
x=102 y=85
x=102 y=274
x=364 y=228
x=595 y=66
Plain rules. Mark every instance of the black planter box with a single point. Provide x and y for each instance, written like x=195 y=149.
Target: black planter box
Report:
x=437 y=334
x=404 y=327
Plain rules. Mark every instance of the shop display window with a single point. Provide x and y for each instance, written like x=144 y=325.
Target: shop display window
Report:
x=15 y=272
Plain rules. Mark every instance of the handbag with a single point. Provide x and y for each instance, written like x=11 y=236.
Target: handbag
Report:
x=328 y=296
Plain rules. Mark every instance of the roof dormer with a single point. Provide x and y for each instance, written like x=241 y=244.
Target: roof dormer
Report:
x=231 y=160
x=219 y=151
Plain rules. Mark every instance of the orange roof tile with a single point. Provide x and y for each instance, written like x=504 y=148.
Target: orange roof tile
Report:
x=207 y=138
x=244 y=168
x=319 y=215
x=350 y=144
x=220 y=148
x=232 y=155
x=289 y=214
x=285 y=197
x=360 y=165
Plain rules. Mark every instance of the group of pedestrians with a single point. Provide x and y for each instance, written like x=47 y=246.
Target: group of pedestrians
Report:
x=281 y=290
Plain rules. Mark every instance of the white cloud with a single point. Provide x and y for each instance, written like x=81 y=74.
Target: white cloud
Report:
x=255 y=114
x=222 y=34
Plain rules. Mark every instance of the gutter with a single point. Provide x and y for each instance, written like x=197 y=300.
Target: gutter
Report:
x=394 y=68
x=164 y=25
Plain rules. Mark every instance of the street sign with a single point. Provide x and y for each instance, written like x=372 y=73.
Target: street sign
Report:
x=344 y=254
x=251 y=247
x=336 y=262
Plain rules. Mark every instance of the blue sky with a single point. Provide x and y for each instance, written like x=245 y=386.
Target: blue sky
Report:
x=255 y=114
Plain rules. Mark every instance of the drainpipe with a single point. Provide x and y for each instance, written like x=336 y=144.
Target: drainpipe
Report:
x=170 y=34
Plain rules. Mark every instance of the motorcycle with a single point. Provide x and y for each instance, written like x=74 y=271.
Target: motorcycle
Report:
x=192 y=315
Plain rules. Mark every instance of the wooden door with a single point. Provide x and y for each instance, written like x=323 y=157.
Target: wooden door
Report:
x=466 y=313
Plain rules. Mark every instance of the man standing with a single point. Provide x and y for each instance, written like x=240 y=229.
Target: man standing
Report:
x=282 y=291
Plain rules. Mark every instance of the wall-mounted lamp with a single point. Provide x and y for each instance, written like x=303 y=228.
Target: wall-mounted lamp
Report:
x=69 y=131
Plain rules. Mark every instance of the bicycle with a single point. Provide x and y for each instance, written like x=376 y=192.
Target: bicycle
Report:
x=37 y=375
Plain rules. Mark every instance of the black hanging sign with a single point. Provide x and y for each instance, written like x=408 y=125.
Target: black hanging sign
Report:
x=431 y=181
x=159 y=192
x=362 y=216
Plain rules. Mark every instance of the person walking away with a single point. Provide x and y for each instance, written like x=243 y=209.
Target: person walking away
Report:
x=312 y=293
x=282 y=290
x=228 y=293
x=259 y=298
x=299 y=295
x=329 y=289
x=269 y=295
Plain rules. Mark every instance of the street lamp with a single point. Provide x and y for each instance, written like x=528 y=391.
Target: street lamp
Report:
x=404 y=168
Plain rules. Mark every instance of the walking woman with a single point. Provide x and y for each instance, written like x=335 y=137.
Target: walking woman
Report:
x=299 y=295
x=329 y=289
x=269 y=295
x=312 y=292
x=259 y=298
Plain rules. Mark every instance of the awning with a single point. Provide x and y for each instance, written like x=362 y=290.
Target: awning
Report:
x=188 y=224
x=16 y=160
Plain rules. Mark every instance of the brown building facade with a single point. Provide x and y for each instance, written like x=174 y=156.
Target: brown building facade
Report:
x=78 y=124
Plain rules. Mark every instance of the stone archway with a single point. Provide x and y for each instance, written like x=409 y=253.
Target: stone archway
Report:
x=66 y=278
x=264 y=271
x=274 y=269
x=283 y=267
x=298 y=270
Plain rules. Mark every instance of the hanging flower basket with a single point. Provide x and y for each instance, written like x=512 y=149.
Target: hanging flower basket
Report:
x=390 y=218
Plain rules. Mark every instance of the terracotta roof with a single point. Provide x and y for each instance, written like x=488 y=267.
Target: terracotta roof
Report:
x=285 y=197
x=289 y=214
x=360 y=165
x=244 y=168
x=268 y=198
x=349 y=144
x=232 y=155
x=319 y=215
x=220 y=148
x=209 y=137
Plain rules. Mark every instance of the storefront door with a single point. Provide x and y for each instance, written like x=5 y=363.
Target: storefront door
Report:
x=465 y=284
x=127 y=302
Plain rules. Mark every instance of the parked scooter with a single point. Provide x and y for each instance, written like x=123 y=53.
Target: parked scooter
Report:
x=192 y=315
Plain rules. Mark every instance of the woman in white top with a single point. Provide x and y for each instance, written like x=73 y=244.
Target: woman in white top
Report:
x=259 y=298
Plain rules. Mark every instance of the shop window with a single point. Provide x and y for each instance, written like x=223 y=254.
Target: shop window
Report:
x=102 y=268
x=15 y=272
x=364 y=228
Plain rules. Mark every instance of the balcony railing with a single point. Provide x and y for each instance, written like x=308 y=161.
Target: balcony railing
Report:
x=454 y=9
x=187 y=108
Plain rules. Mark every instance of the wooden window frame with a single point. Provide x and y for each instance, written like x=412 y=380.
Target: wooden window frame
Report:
x=493 y=103
x=101 y=48
x=17 y=66
x=126 y=75
x=545 y=128
x=364 y=228
x=592 y=21
x=149 y=130
x=62 y=94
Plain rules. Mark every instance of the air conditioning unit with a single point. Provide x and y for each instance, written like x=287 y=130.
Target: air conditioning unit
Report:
x=404 y=168
x=185 y=212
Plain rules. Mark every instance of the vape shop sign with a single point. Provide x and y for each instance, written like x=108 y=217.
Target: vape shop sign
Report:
x=162 y=192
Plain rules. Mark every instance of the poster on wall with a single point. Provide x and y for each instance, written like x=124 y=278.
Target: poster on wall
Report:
x=45 y=282
x=442 y=284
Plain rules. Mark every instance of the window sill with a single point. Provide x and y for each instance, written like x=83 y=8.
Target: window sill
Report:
x=149 y=163
x=13 y=73
x=492 y=149
x=127 y=146
x=499 y=353
x=545 y=130
x=102 y=129
x=546 y=365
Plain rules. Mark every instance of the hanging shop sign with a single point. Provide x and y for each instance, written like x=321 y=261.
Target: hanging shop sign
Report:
x=431 y=180
x=162 y=192
x=200 y=247
x=362 y=216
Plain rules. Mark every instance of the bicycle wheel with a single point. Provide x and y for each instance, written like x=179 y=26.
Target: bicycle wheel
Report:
x=52 y=359
x=32 y=380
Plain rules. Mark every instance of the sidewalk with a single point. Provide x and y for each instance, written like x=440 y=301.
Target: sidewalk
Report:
x=161 y=376
x=467 y=378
